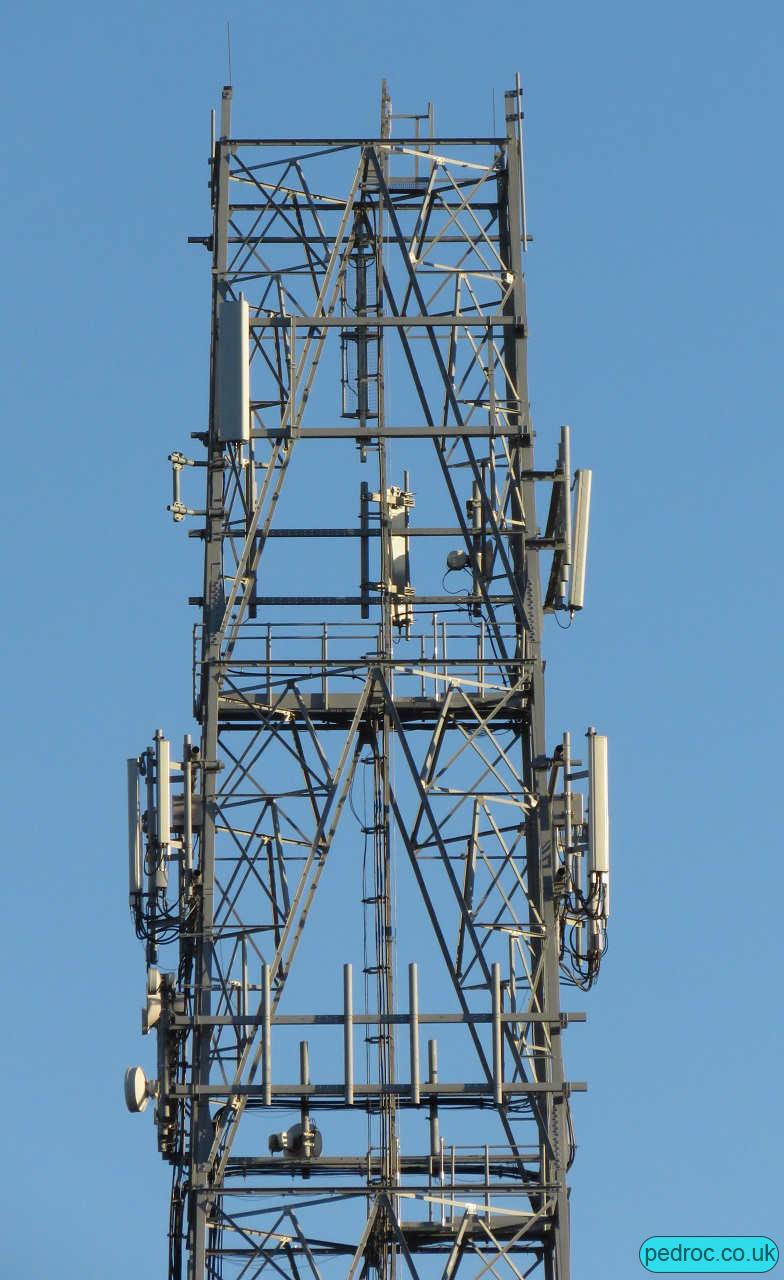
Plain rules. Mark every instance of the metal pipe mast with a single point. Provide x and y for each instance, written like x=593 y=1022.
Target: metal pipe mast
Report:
x=363 y=888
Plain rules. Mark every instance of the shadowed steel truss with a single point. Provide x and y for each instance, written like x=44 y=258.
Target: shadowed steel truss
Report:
x=359 y=869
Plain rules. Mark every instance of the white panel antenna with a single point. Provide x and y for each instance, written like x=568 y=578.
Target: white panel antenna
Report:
x=234 y=370
x=162 y=808
x=599 y=814
x=134 y=833
x=582 y=481
x=565 y=460
x=163 y=771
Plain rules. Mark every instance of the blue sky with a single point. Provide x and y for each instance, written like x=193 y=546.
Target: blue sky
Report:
x=655 y=284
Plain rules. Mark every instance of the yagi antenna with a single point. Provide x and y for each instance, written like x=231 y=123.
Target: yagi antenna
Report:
x=582 y=515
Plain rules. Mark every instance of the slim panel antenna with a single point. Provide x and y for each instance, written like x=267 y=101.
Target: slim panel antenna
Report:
x=582 y=517
x=599 y=813
x=134 y=832
x=233 y=370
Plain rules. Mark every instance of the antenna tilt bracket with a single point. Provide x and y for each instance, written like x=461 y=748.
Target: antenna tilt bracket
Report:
x=176 y=506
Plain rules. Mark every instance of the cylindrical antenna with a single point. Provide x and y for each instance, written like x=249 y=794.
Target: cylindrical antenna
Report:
x=519 y=109
x=266 y=1030
x=225 y=124
x=304 y=1079
x=386 y=110
x=477 y=514
x=580 y=539
x=413 y=1007
x=432 y=1076
x=498 y=1063
x=244 y=989
x=187 y=806
x=348 y=1034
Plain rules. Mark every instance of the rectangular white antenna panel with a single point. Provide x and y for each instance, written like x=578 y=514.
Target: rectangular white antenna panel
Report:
x=566 y=464
x=233 y=370
x=134 y=832
x=599 y=810
x=163 y=770
x=580 y=538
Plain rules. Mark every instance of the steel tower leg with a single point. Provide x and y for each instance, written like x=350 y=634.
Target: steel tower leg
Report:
x=214 y=602
x=541 y=860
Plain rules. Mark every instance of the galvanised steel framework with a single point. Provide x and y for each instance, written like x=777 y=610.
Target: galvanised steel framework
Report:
x=371 y=845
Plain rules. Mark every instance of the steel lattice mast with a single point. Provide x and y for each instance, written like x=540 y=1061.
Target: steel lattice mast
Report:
x=371 y=846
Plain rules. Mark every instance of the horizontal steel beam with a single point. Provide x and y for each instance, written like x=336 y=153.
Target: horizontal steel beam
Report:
x=318 y=241
x=339 y=705
x=524 y=1189
x=332 y=206
x=453 y=319
x=436 y=432
x=421 y=143
x=292 y=1094
x=352 y=666
x=446 y=531
x=360 y=1164
x=437 y=1240
x=366 y=1019
x=375 y=600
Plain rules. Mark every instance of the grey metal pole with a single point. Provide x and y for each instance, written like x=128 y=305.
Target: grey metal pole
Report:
x=413 y=1005
x=539 y=844
x=348 y=1034
x=213 y=596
